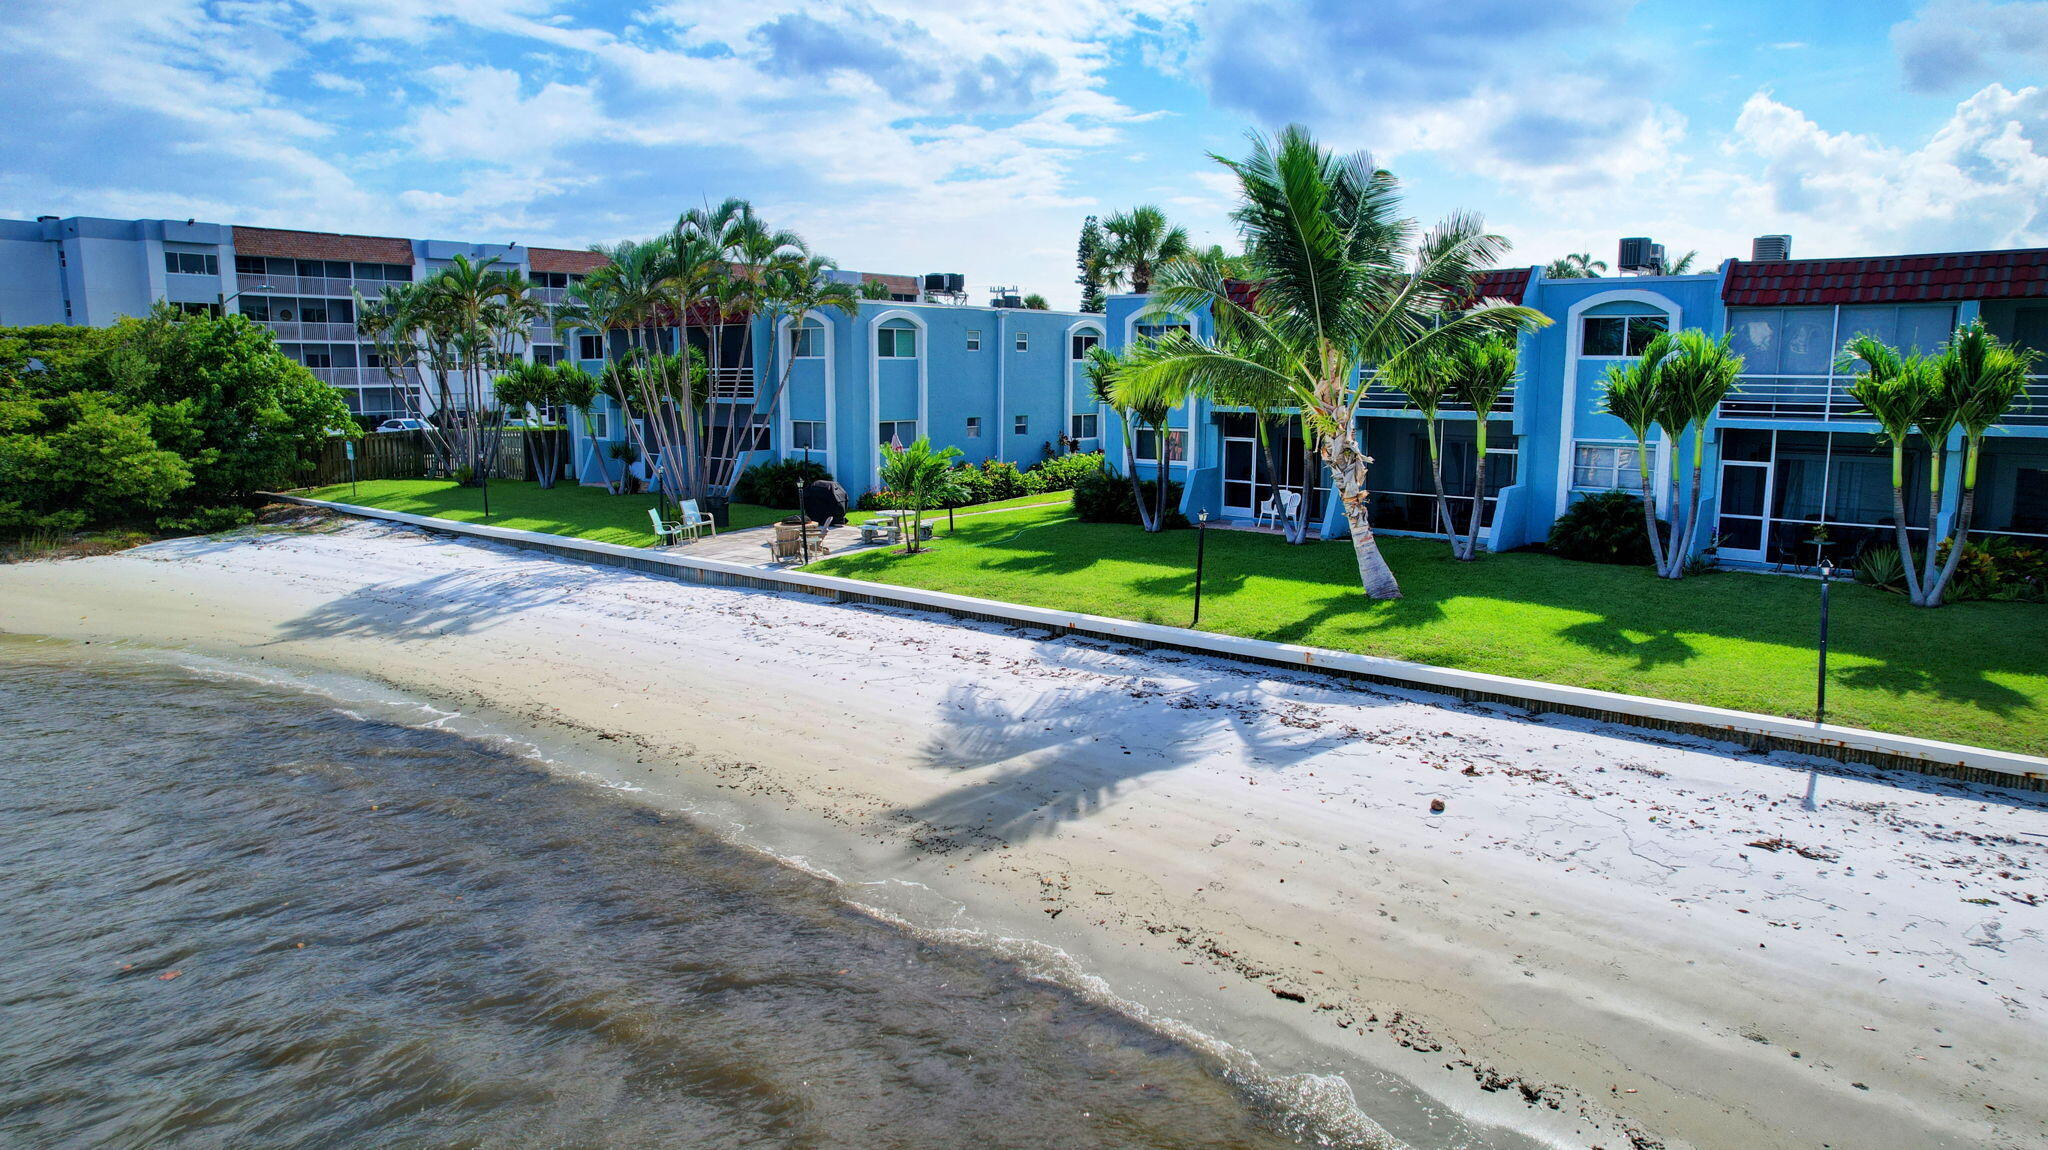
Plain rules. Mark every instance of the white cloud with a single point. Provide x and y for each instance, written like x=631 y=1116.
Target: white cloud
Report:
x=1950 y=44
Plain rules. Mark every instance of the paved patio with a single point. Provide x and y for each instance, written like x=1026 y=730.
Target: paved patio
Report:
x=753 y=546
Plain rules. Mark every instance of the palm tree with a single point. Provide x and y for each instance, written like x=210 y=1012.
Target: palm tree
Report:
x=1983 y=379
x=1136 y=243
x=1036 y=302
x=1630 y=393
x=1577 y=266
x=919 y=477
x=1344 y=281
x=874 y=289
x=1104 y=368
x=793 y=291
x=595 y=304
x=1427 y=383
x=1683 y=264
x=1694 y=376
x=1481 y=371
x=1894 y=389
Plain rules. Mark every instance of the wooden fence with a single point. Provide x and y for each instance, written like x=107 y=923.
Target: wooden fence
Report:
x=405 y=455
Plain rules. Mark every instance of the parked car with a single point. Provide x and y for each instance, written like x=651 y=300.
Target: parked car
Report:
x=402 y=425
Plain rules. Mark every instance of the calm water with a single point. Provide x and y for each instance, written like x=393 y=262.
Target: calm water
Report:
x=231 y=915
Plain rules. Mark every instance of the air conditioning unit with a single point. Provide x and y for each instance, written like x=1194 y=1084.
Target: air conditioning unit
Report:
x=1770 y=248
x=1639 y=254
x=1007 y=301
x=945 y=283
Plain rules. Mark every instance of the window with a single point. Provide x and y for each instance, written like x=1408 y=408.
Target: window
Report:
x=896 y=342
x=974 y=427
x=199 y=308
x=1146 y=447
x=191 y=263
x=902 y=432
x=806 y=341
x=589 y=347
x=551 y=279
x=1083 y=342
x=1085 y=426
x=1158 y=330
x=1023 y=341
x=1605 y=467
x=372 y=359
x=250 y=266
x=973 y=339
x=312 y=311
x=807 y=435
x=1021 y=425
x=548 y=353
x=256 y=307
x=317 y=355
x=1619 y=335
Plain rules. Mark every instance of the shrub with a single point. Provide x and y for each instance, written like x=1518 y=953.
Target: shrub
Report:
x=207 y=520
x=1004 y=481
x=1603 y=528
x=876 y=501
x=972 y=485
x=1064 y=472
x=2000 y=569
x=777 y=482
x=1882 y=568
x=1104 y=498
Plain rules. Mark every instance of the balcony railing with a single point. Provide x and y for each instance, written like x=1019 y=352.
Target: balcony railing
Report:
x=732 y=383
x=295 y=331
x=1379 y=397
x=305 y=285
x=1826 y=398
x=351 y=376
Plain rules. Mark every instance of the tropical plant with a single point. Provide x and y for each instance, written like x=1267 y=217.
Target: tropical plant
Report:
x=1136 y=244
x=777 y=483
x=1035 y=302
x=791 y=290
x=1607 y=527
x=1344 y=281
x=1104 y=368
x=1982 y=378
x=1062 y=472
x=1882 y=567
x=1481 y=372
x=1630 y=392
x=1683 y=264
x=1105 y=498
x=921 y=478
x=1894 y=389
x=874 y=289
x=1088 y=258
x=1694 y=374
x=1576 y=266
x=539 y=388
x=1426 y=382
x=1148 y=402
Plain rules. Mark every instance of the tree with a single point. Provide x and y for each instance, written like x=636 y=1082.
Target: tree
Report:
x=1136 y=244
x=538 y=388
x=1577 y=266
x=920 y=478
x=1344 y=281
x=1149 y=400
x=1088 y=258
x=1630 y=393
x=1103 y=369
x=1481 y=371
x=1426 y=381
x=1683 y=264
x=1894 y=389
x=794 y=291
x=874 y=289
x=1694 y=374
x=1982 y=379
x=1036 y=302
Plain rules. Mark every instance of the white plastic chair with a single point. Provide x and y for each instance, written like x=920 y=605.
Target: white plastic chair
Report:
x=667 y=532
x=695 y=521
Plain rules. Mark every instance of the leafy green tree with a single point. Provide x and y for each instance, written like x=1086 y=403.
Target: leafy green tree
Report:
x=1136 y=244
x=920 y=477
x=1036 y=302
x=77 y=460
x=1576 y=266
x=1481 y=371
x=1344 y=281
x=1894 y=389
x=874 y=289
x=537 y=388
x=1088 y=258
x=1694 y=375
x=1630 y=393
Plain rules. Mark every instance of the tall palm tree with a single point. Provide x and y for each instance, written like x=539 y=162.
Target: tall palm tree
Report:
x=1136 y=243
x=1694 y=376
x=1481 y=371
x=1103 y=368
x=1426 y=382
x=595 y=304
x=758 y=253
x=1576 y=266
x=1344 y=281
x=794 y=291
x=1983 y=379
x=1683 y=264
x=1630 y=393
x=1150 y=400
x=1894 y=389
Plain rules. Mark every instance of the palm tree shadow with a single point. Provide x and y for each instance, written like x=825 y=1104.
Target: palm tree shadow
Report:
x=1662 y=648
x=459 y=604
x=1964 y=685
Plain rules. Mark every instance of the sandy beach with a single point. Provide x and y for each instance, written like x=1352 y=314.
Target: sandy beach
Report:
x=1605 y=939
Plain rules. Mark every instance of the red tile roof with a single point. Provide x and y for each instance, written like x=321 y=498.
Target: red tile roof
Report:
x=1510 y=284
x=2015 y=274
x=321 y=246
x=565 y=260
x=901 y=285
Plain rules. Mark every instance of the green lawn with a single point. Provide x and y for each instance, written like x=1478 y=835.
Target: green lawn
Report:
x=1969 y=672
x=584 y=512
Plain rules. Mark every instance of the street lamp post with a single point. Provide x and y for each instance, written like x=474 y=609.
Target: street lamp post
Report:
x=1201 y=553
x=1820 y=686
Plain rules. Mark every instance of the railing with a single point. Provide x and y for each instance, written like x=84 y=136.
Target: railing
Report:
x=296 y=330
x=1826 y=397
x=1379 y=397
x=351 y=376
x=732 y=383
x=304 y=285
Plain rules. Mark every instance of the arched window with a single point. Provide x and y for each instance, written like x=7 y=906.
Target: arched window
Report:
x=896 y=340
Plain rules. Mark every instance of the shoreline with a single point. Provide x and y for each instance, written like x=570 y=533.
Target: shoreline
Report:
x=1101 y=801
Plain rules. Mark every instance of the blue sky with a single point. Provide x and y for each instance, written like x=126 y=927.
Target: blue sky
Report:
x=973 y=136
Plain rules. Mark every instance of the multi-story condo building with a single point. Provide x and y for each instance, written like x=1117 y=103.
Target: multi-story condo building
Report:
x=1794 y=470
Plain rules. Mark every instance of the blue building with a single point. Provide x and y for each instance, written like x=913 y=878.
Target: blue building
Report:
x=1794 y=470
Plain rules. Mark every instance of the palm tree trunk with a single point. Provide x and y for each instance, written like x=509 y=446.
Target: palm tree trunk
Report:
x=1131 y=472
x=1649 y=505
x=1431 y=430
x=1962 y=532
x=1692 y=510
x=1471 y=551
x=1936 y=461
x=1899 y=522
x=1159 y=494
x=1347 y=470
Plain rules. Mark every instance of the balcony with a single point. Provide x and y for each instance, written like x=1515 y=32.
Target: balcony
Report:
x=297 y=332
x=1379 y=397
x=304 y=286
x=1825 y=398
x=351 y=376
x=732 y=384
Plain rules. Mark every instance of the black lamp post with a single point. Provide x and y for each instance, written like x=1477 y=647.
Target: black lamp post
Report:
x=1820 y=686
x=1201 y=553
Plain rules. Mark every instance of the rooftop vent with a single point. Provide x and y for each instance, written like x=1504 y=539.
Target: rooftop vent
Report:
x=1639 y=254
x=44 y=219
x=945 y=283
x=1770 y=248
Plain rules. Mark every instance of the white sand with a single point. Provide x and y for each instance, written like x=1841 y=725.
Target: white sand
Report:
x=1588 y=929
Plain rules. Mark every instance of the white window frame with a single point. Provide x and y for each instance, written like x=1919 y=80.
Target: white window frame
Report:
x=1093 y=426
x=600 y=422
x=1023 y=341
x=1626 y=322
x=1626 y=476
x=973 y=339
x=806 y=342
x=1020 y=425
x=1094 y=340
x=974 y=427
x=897 y=436
x=807 y=435
x=1176 y=437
